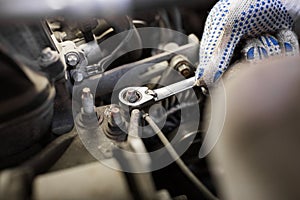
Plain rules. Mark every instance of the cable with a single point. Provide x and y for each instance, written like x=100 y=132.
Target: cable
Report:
x=179 y=161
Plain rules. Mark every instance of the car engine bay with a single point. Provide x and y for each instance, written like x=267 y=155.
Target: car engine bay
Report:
x=105 y=107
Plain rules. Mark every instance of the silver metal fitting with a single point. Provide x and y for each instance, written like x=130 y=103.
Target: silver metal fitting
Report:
x=87 y=99
x=182 y=65
x=184 y=70
x=72 y=59
x=77 y=76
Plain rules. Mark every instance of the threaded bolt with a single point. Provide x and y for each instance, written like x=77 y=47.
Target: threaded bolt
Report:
x=115 y=127
x=184 y=70
x=87 y=101
x=116 y=117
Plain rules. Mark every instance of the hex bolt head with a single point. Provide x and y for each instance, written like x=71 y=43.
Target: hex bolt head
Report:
x=78 y=76
x=72 y=59
x=132 y=96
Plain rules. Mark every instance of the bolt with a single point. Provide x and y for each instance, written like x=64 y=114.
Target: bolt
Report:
x=182 y=65
x=184 y=70
x=87 y=101
x=115 y=126
x=72 y=59
x=132 y=96
x=48 y=57
x=116 y=117
x=78 y=76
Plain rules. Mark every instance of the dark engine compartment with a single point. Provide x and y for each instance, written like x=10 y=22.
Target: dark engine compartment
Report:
x=61 y=114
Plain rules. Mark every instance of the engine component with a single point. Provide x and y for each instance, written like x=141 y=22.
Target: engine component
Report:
x=115 y=124
x=72 y=59
x=51 y=64
x=182 y=65
x=26 y=110
x=90 y=62
x=85 y=182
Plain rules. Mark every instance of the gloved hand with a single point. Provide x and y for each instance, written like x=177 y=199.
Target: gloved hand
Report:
x=232 y=20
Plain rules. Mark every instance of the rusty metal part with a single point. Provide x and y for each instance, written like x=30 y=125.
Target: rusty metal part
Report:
x=183 y=66
x=114 y=126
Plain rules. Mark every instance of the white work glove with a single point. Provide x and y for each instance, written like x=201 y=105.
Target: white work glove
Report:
x=232 y=20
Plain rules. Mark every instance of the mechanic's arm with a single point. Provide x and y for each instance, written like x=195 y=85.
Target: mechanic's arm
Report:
x=230 y=21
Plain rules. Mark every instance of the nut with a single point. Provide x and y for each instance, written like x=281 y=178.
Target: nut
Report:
x=184 y=70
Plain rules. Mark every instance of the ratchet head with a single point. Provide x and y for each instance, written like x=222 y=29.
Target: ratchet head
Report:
x=136 y=97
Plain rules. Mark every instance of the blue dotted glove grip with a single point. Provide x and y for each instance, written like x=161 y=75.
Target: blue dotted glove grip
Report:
x=230 y=21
